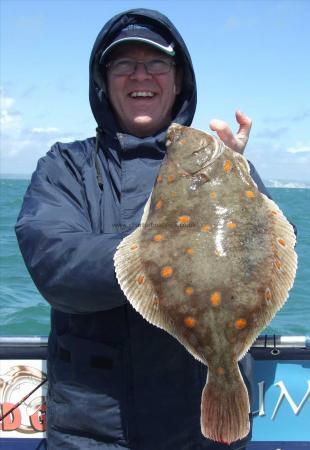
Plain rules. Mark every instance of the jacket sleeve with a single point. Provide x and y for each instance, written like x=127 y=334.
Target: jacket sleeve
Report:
x=71 y=265
x=260 y=185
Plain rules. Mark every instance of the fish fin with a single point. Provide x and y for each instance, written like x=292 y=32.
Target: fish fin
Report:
x=285 y=258
x=137 y=287
x=282 y=273
x=146 y=210
x=243 y=162
x=225 y=411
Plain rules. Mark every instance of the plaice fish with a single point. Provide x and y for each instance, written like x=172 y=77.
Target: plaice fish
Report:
x=211 y=263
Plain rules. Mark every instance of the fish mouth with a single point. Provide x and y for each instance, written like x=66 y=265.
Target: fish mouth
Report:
x=177 y=133
x=218 y=150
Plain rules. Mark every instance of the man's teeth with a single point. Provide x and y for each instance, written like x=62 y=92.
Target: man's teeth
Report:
x=142 y=94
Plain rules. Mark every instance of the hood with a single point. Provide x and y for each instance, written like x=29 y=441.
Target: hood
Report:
x=186 y=102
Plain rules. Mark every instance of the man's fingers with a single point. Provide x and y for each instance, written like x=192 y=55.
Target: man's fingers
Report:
x=235 y=142
x=224 y=132
x=245 y=125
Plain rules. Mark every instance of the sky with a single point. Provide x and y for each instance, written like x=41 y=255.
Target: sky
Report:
x=251 y=55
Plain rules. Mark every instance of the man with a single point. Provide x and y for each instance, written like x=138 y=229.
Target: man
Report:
x=115 y=381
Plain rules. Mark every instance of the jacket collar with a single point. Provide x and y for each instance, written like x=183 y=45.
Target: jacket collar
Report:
x=129 y=143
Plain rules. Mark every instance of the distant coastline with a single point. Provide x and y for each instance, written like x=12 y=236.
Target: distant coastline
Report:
x=15 y=176
x=288 y=184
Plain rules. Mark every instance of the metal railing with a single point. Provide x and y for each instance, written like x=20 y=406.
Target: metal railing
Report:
x=263 y=341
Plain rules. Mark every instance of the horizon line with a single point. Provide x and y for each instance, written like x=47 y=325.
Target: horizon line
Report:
x=268 y=182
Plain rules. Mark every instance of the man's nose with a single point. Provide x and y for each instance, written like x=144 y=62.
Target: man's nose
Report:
x=140 y=72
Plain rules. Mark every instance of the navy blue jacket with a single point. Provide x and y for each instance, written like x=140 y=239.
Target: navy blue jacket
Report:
x=115 y=381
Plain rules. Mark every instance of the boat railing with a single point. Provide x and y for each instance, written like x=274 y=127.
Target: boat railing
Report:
x=263 y=341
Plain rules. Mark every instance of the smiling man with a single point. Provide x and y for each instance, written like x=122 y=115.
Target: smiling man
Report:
x=115 y=381
x=142 y=87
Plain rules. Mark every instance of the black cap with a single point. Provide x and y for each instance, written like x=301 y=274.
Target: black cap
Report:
x=140 y=33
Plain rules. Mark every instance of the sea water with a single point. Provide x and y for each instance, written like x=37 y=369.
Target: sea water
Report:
x=24 y=312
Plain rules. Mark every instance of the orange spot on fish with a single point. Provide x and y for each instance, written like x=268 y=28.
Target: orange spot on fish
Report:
x=274 y=251
x=274 y=213
x=171 y=178
x=166 y=271
x=278 y=264
x=240 y=324
x=189 y=291
x=183 y=220
x=215 y=298
x=189 y=251
x=159 y=179
x=231 y=225
x=249 y=194
x=220 y=370
x=227 y=166
x=268 y=295
x=213 y=195
x=159 y=204
x=190 y=322
x=134 y=247
x=158 y=237
x=205 y=228
x=141 y=279
x=282 y=242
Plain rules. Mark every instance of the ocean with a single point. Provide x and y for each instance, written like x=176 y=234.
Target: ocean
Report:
x=24 y=312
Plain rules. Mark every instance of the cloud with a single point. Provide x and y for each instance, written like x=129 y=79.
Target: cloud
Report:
x=273 y=161
x=269 y=133
x=297 y=117
x=6 y=102
x=9 y=118
x=29 y=91
x=46 y=130
x=301 y=116
x=299 y=148
x=21 y=145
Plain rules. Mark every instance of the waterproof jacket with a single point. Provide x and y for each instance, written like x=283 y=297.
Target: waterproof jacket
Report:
x=115 y=381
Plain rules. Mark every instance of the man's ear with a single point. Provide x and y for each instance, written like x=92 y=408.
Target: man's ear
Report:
x=178 y=80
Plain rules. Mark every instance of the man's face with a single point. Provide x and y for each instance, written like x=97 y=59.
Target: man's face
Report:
x=142 y=115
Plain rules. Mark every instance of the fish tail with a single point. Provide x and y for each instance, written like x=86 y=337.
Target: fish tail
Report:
x=225 y=406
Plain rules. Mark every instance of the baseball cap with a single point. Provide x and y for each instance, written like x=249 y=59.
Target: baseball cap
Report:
x=140 y=33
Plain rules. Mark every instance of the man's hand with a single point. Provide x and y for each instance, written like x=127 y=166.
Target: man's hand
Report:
x=238 y=141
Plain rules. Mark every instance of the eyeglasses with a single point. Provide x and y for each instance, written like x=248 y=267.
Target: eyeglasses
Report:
x=129 y=66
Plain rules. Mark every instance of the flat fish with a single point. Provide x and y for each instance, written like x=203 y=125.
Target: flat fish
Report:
x=211 y=263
